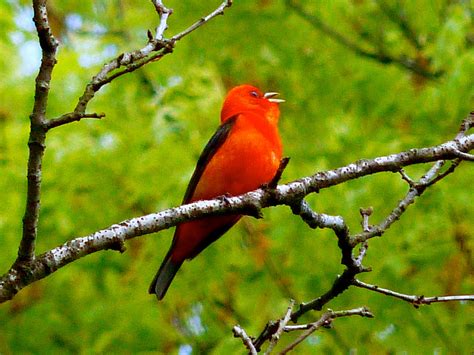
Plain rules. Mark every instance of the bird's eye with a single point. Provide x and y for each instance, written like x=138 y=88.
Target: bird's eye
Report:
x=254 y=93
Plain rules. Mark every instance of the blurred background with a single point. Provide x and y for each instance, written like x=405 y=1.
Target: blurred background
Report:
x=361 y=78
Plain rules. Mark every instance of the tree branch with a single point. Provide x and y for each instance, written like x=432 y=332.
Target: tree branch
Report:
x=36 y=142
x=346 y=242
x=164 y=13
x=353 y=265
x=239 y=332
x=71 y=117
x=282 y=323
x=431 y=177
x=156 y=48
x=414 y=300
x=325 y=321
x=203 y=20
x=274 y=329
x=26 y=269
x=251 y=203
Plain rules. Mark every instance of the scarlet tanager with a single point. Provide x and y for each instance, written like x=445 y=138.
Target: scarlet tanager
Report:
x=243 y=154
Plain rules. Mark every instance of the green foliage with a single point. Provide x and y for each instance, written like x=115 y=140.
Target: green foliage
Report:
x=340 y=108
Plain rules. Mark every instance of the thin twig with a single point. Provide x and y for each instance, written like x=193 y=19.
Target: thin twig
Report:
x=156 y=48
x=463 y=156
x=405 y=177
x=281 y=168
x=164 y=13
x=365 y=213
x=281 y=326
x=413 y=299
x=454 y=164
x=415 y=191
x=239 y=332
x=432 y=176
x=203 y=20
x=325 y=321
x=362 y=252
x=71 y=117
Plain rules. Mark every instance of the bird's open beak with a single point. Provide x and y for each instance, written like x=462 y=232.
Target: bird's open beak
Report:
x=270 y=96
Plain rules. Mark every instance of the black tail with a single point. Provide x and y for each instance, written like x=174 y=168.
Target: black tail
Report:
x=163 y=277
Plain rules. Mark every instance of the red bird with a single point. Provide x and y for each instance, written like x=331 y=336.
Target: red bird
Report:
x=243 y=154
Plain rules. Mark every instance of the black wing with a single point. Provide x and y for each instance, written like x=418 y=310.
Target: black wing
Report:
x=211 y=148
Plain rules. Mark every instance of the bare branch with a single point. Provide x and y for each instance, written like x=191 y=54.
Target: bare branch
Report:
x=203 y=20
x=274 y=182
x=336 y=223
x=405 y=177
x=365 y=213
x=250 y=203
x=71 y=117
x=239 y=332
x=464 y=156
x=325 y=321
x=362 y=252
x=274 y=329
x=414 y=300
x=342 y=283
x=36 y=142
x=281 y=326
x=442 y=175
x=347 y=243
x=466 y=125
x=156 y=48
x=353 y=265
x=164 y=13
x=431 y=177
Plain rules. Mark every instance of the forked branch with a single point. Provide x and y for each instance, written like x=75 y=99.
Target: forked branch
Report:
x=127 y=62
x=155 y=49
x=290 y=194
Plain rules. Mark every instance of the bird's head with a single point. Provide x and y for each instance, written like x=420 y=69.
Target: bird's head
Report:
x=245 y=98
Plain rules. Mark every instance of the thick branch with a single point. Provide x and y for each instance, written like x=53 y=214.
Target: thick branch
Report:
x=36 y=142
x=353 y=265
x=341 y=284
x=248 y=204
